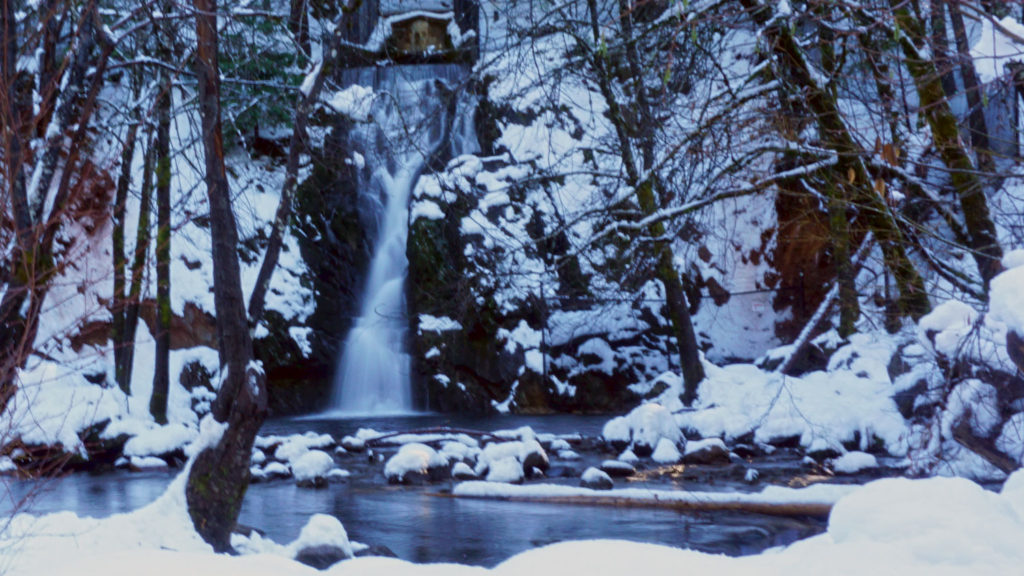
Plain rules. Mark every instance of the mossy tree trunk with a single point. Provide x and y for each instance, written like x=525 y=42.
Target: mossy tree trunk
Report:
x=161 y=368
x=119 y=334
x=851 y=172
x=967 y=184
x=219 y=475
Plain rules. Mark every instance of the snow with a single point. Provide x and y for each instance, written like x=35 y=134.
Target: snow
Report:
x=825 y=494
x=311 y=465
x=508 y=469
x=666 y=452
x=322 y=530
x=644 y=425
x=355 y=101
x=413 y=457
x=1006 y=297
x=823 y=409
x=160 y=440
x=594 y=476
x=998 y=45
x=853 y=462
x=425 y=209
x=430 y=323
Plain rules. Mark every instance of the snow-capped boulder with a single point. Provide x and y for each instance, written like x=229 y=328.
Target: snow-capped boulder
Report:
x=596 y=479
x=508 y=470
x=529 y=455
x=462 y=471
x=853 y=462
x=311 y=469
x=353 y=444
x=416 y=463
x=617 y=468
x=707 y=451
x=666 y=452
x=642 y=429
x=322 y=542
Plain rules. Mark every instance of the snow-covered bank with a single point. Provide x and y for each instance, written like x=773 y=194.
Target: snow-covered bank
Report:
x=894 y=526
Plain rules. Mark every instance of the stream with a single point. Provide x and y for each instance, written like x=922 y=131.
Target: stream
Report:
x=425 y=524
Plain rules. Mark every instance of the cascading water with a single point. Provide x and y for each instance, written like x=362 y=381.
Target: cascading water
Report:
x=410 y=121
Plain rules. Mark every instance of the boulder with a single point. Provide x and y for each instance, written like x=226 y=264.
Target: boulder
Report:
x=711 y=451
x=416 y=463
x=596 y=479
x=617 y=468
x=321 y=556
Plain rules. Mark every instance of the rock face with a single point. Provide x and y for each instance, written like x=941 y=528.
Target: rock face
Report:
x=333 y=240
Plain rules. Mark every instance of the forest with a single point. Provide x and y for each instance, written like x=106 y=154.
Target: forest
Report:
x=754 y=264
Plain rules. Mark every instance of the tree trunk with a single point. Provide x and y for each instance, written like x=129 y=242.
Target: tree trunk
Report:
x=644 y=184
x=161 y=374
x=119 y=335
x=876 y=214
x=978 y=127
x=982 y=239
x=939 y=42
x=220 y=474
x=142 y=239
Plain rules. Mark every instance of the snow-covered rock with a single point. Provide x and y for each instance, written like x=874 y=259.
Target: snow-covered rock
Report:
x=642 y=429
x=707 y=451
x=508 y=470
x=596 y=479
x=853 y=462
x=310 y=470
x=415 y=462
x=666 y=452
x=618 y=468
x=462 y=471
x=322 y=542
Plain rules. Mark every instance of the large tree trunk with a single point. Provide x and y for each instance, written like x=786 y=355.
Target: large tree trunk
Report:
x=142 y=239
x=119 y=335
x=220 y=474
x=162 y=370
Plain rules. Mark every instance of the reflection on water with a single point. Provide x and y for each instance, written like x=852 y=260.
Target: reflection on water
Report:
x=420 y=524
x=421 y=527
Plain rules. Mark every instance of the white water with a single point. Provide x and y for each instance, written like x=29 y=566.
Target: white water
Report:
x=409 y=124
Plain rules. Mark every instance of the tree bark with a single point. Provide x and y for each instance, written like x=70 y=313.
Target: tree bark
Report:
x=142 y=240
x=978 y=127
x=220 y=473
x=162 y=370
x=119 y=335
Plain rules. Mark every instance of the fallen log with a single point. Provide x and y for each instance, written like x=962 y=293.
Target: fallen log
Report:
x=772 y=502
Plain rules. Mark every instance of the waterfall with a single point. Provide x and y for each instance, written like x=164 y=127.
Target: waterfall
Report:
x=410 y=121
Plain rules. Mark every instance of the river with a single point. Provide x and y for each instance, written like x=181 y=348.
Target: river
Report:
x=425 y=524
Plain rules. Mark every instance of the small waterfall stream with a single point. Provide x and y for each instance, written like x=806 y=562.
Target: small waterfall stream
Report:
x=410 y=121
